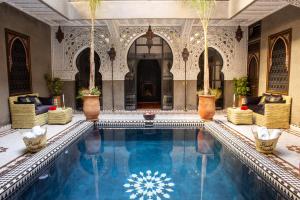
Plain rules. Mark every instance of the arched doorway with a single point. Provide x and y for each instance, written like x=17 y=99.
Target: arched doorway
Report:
x=216 y=76
x=83 y=75
x=253 y=75
x=149 y=82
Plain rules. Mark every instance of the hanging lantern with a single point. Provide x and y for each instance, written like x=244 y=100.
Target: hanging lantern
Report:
x=149 y=37
x=185 y=54
x=60 y=35
x=112 y=53
x=239 y=34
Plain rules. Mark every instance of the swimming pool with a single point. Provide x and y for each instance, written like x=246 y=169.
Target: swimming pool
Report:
x=147 y=164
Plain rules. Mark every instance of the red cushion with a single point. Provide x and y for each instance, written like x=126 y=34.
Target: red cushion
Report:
x=244 y=107
x=52 y=108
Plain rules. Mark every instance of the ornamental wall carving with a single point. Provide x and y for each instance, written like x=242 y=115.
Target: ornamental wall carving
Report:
x=294 y=2
x=78 y=38
x=223 y=40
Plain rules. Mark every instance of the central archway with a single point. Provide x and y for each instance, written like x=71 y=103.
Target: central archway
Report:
x=149 y=82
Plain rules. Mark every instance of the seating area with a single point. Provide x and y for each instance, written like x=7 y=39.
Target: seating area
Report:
x=150 y=99
x=31 y=110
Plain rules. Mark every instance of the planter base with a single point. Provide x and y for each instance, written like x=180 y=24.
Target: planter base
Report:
x=207 y=107
x=91 y=107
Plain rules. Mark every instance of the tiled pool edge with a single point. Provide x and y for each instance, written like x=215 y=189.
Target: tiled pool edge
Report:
x=16 y=178
x=281 y=180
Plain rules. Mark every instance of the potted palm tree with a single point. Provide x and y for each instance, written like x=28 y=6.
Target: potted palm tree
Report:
x=207 y=100
x=90 y=96
x=241 y=89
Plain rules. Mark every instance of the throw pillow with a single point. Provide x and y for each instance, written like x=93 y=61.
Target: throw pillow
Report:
x=274 y=99
x=23 y=99
x=35 y=100
x=263 y=99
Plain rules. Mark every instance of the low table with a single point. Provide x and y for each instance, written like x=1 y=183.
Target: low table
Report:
x=60 y=116
x=238 y=116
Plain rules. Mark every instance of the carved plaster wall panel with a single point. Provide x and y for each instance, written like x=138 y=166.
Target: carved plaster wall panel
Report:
x=294 y=2
x=223 y=40
x=76 y=40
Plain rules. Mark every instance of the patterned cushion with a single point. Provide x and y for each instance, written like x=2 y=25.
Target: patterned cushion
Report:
x=23 y=99
x=263 y=98
x=274 y=99
x=35 y=100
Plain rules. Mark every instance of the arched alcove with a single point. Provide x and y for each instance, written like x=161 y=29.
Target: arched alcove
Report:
x=149 y=82
x=278 y=77
x=18 y=62
x=216 y=76
x=253 y=71
x=83 y=75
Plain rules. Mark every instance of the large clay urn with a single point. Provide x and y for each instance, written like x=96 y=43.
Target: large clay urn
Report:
x=207 y=106
x=91 y=107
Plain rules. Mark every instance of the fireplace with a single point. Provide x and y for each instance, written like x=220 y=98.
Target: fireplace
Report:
x=149 y=82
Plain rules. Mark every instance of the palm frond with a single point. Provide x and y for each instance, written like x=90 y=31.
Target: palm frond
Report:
x=93 y=6
x=205 y=9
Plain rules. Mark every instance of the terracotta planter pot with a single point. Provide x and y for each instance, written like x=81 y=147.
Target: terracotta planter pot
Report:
x=91 y=107
x=57 y=101
x=241 y=100
x=207 y=106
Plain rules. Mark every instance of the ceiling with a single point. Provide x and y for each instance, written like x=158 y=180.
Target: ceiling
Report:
x=145 y=12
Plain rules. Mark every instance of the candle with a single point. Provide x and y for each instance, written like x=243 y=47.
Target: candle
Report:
x=233 y=101
x=63 y=100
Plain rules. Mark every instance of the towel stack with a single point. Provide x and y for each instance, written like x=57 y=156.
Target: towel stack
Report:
x=263 y=133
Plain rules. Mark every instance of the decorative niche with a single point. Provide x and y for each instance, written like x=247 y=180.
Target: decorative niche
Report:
x=279 y=62
x=18 y=62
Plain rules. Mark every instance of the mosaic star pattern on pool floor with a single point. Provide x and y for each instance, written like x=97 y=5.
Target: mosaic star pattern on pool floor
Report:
x=146 y=186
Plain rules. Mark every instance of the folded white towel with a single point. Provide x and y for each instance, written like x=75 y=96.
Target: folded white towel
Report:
x=37 y=130
x=29 y=135
x=275 y=134
x=263 y=133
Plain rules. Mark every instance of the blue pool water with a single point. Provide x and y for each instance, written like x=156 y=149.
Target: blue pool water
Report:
x=121 y=164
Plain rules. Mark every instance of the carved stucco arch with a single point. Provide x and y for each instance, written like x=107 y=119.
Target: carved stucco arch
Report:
x=76 y=56
x=198 y=54
x=169 y=39
x=80 y=40
x=219 y=38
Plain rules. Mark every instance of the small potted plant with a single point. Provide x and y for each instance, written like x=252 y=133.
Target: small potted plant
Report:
x=208 y=109
x=91 y=103
x=55 y=87
x=241 y=89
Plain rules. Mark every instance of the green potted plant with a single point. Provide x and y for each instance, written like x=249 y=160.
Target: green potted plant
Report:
x=91 y=102
x=207 y=105
x=241 y=89
x=55 y=87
